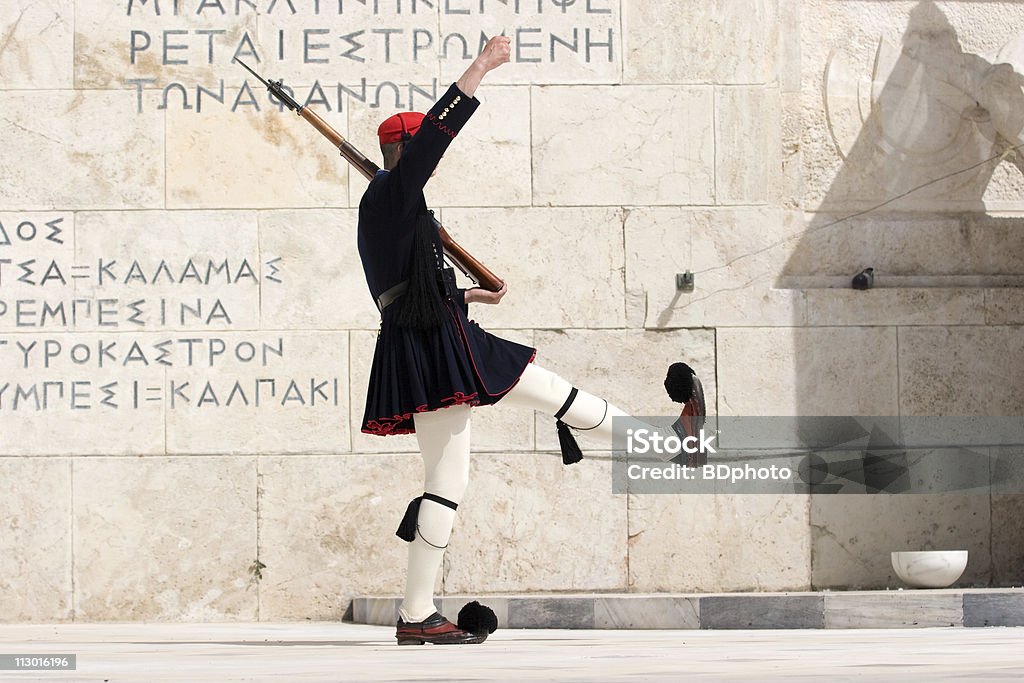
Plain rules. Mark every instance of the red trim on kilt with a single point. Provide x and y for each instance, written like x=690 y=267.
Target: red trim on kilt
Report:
x=469 y=352
x=386 y=426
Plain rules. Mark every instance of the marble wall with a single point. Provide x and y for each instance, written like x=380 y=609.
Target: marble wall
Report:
x=185 y=333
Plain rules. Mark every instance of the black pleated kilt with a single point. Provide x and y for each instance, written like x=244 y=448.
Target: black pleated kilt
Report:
x=455 y=363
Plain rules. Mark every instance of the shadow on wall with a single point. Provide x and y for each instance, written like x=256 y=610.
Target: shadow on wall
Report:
x=921 y=140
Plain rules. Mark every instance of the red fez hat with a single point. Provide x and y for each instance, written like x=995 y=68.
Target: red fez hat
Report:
x=395 y=128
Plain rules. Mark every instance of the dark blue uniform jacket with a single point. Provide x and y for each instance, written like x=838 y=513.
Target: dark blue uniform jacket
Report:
x=458 y=362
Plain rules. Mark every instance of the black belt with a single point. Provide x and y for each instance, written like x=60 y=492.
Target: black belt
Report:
x=447 y=284
x=389 y=296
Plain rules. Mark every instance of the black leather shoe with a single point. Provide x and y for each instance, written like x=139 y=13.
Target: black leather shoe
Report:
x=691 y=419
x=437 y=630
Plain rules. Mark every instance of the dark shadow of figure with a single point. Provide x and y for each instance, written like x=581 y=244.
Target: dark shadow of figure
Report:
x=902 y=203
x=929 y=111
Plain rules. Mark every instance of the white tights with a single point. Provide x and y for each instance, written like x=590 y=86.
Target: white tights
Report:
x=443 y=437
x=544 y=391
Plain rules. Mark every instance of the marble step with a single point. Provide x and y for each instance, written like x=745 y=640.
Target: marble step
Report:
x=796 y=610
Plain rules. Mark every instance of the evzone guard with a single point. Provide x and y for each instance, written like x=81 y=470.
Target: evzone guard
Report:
x=432 y=365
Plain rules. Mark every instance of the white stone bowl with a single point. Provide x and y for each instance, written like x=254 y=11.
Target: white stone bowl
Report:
x=929 y=568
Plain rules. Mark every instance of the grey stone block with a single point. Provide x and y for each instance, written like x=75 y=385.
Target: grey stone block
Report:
x=994 y=609
x=382 y=611
x=647 y=611
x=359 y=610
x=551 y=612
x=762 y=611
x=893 y=609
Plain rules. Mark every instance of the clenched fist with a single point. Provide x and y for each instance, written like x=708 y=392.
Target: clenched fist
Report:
x=496 y=52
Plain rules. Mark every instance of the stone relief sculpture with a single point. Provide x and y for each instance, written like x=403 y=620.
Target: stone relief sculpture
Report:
x=928 y=109
x=919 y=128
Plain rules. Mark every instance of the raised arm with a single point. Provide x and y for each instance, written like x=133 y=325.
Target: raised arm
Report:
x=496 y=52
x=444 y=120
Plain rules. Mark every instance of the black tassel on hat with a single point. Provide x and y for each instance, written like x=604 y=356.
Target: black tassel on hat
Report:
x=571 y=452
x=679 y=382
x=477 y=619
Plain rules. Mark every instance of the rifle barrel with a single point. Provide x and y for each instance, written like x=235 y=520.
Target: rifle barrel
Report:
x=351 y=154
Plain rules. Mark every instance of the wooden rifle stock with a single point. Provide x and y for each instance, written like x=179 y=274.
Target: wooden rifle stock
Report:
x=465 y=261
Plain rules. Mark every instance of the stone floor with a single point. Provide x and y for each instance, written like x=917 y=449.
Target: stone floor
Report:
x=156 y=653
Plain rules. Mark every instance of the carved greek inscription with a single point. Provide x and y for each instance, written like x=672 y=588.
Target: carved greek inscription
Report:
x=51 y=283
x=27 y=232
x=89 y=394
x=48 y=298
x=178 y=352
x=45 y=359
x=335 y=33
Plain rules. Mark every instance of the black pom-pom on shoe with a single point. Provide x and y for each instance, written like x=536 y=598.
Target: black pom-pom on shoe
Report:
x=477 y=619
x=679 y=382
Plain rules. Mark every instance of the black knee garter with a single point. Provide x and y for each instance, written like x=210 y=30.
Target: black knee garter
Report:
x=571 y=452
x=409 y=526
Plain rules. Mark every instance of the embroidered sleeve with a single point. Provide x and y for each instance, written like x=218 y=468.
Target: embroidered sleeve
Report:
x=422 y=153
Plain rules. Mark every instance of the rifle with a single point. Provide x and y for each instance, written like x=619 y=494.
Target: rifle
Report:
x=463 y=260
